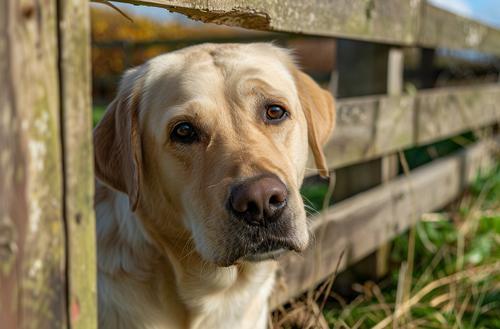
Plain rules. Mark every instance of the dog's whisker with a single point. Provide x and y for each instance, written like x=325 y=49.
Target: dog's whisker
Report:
x=312 y=212
x=306 y=199
x=215 y=185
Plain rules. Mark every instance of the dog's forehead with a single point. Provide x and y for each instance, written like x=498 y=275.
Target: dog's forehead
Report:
x=228 y=68
x=210 y=69
x=213 y=76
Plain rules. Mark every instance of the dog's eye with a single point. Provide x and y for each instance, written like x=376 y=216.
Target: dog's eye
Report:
x=184 y=132
x=275 y=113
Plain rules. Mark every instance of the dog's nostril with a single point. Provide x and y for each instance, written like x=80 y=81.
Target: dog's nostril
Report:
x=258 y=199
x=242 y=204
x=277 y=199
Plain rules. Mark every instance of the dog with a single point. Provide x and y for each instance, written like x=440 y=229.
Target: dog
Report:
x=198 y=161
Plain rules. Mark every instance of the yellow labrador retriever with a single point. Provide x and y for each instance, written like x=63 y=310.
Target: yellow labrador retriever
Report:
x=199 y=161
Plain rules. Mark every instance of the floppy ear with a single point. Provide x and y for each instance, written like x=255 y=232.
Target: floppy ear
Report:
x=117 y=144
x=319 y=108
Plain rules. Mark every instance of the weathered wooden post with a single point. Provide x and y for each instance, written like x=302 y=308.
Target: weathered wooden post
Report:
x=390 y=162
x=78 y=159
x=32 y=230
x=47 y=255
x=363 y=69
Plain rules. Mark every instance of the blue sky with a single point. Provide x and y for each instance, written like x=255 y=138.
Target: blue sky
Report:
x=487 y=11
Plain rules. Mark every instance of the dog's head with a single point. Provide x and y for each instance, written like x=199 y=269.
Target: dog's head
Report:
x=212 y=142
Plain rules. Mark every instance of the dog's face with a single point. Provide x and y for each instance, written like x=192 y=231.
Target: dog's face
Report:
x=213 y=140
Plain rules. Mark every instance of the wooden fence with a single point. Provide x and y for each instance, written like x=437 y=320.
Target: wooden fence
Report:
x=47 y=250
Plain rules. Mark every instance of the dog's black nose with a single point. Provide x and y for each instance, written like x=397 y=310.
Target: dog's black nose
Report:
x=258 y=200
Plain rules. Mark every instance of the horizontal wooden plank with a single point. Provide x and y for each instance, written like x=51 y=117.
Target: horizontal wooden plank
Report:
x=358 y=225
x=442 y=114
x=440 y=27
x=402 y=22
x=369 y=127
x=393 y=21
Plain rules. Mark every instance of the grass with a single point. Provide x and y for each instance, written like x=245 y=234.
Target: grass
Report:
x=445 y=272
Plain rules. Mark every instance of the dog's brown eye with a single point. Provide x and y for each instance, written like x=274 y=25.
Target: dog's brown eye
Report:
x=184 y=132
x=275 y=113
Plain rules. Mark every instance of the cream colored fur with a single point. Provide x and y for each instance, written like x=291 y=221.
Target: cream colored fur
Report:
x=163 y=231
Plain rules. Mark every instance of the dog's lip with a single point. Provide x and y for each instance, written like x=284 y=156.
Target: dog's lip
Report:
x=255 y=257
x=265 y=250
x=273 y=254
x=270 y=249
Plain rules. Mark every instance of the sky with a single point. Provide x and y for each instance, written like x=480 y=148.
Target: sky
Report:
x=487 y=11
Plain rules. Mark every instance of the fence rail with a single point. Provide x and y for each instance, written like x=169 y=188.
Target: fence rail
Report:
x=371 y=126
x=398 y=22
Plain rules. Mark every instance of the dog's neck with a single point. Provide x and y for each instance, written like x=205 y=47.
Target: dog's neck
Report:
x=126 y=252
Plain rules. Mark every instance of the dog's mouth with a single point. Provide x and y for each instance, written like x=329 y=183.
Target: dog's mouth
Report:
x=247 y=243
x=273 y=254
x=260 y=249
x=269 y=249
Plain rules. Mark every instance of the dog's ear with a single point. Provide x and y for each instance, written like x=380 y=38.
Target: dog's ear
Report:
x=319 y=108
x=117 y=144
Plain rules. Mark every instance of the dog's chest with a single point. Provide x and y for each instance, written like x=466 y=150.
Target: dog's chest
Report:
x=244 y=306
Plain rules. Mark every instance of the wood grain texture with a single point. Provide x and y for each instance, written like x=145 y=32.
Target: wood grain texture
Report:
x=371 y=126
x=378 y=20
x=32 y=265
x=441 y=28
x=399 y=22
x=362 y=223
x=76 y=121
x=441 y=115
